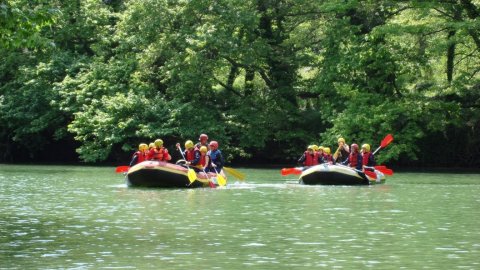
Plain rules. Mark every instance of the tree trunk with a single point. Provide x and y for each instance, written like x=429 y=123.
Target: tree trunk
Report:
x=281 y=67
x=457 y=16
x=249 y=76
x=231 y=76
x=450 y=55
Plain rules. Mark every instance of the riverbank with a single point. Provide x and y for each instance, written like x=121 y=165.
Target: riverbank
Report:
x=262 y=166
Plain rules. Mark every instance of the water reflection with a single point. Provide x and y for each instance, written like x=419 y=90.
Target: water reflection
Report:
x=86 y=218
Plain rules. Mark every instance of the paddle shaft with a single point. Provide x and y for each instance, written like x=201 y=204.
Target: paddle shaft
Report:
x=189 y=173
x=212 y=185
x=378 y=149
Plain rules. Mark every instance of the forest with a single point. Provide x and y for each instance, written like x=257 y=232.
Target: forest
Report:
x=88 y=80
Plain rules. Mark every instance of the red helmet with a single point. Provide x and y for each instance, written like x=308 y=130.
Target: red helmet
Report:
x=203 y=137
x=213 y=145
x=354 y=147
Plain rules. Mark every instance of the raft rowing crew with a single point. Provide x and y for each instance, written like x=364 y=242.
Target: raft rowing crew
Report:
x=203 y=156
x=203 y=164
x=344 y=155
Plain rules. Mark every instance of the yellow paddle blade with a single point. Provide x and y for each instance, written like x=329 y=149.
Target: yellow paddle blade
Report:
x=235 y=173
x=191 y=175
x=221 y=180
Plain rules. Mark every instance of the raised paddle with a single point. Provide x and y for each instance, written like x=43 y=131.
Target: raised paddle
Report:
x=240 y=176
x=191 y=173
x=122 y=169
x=386 y=141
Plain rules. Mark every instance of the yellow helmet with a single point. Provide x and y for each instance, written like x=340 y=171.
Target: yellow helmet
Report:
x=341 y=140
x=315 y=147
x=321 y=148
x=327 y=150
x=310 y=147
x=203 y=149
x=142 y=146
x=189 y=144
x=366 y=146
x=158 y=143
x=151 y=145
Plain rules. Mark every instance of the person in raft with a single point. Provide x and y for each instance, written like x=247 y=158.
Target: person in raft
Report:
x=151 y=146
x=203 y=161
x=189 y=152
x=140 y=155
x=327 y=156
x=159 y=153
x=342 y=151
x=368 y=159
x=321 y=155
x=309 y=157
x=354 y=160
x=192 y=155
x=202 y=141
x=215 y=157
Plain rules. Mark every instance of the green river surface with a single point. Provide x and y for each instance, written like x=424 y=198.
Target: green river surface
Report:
x=79 y=217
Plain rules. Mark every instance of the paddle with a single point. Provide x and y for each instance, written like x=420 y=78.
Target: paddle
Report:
x=384 y=170
x=371 y=174
x=386 y=141
x=235 y=173
x=220 y=179
x=191 y=173
x=122 y=169
x=287 y=171
x=210 y=183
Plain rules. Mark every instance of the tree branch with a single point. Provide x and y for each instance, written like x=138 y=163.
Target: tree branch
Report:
x=262 y=73
x=267 y=80
x=231 y=89
x=391 y=14
x=436 y=31
x=465 y=56
x=444 y=13
x=474 y=73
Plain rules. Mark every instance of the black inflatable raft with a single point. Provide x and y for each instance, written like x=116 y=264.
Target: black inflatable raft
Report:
x=326 y=174
x=165 y=175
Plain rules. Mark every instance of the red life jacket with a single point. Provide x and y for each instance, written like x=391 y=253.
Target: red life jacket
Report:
x=203 y=160
x=365 y=158
x=159 y=154
x=353 y=160
x=310 y=160
x=141 y=156
x=190 y=155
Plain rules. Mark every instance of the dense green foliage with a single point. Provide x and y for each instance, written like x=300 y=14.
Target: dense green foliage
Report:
x=264 y=77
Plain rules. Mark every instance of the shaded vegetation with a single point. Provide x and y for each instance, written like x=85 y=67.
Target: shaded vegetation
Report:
x=263 y=77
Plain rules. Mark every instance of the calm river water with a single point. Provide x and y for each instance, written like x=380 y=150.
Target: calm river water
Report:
x=66 y=217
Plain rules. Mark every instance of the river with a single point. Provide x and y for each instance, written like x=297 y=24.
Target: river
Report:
x=79 y=217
